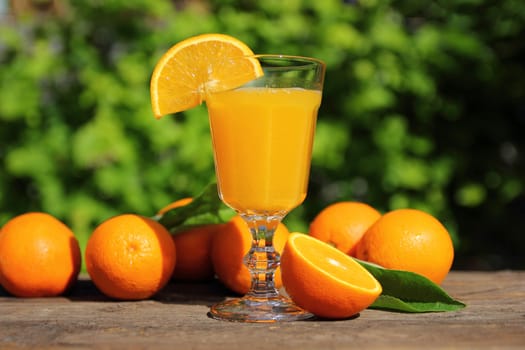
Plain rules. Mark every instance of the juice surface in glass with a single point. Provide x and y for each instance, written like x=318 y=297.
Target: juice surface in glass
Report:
x=262 y=140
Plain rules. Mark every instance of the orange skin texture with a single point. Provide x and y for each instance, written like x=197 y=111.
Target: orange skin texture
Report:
x=325 y=281
x=194 y=253
x=130 y=257
x=39 y=256
x=193 y=248
x=342 y=224
x=230 y=246
x=410 y=240
x=178 y=203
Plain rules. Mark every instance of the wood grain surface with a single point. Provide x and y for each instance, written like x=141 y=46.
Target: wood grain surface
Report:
x=177 y=319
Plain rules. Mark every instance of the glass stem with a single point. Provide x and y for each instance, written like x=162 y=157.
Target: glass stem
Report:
x=262 y=260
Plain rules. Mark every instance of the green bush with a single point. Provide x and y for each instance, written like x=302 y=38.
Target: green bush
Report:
x=423 y=107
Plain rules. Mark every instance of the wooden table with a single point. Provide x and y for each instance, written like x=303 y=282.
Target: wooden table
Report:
x=177 y=319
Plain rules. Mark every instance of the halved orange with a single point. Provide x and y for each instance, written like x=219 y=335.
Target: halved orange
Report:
x=196 y=66
x=325 y=281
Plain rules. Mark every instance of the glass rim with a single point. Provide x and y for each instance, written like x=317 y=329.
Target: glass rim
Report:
x=276 y=70
x=286 y=56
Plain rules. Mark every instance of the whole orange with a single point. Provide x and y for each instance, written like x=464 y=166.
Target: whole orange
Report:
x=230 y=245
x=39 y=256
x=194 y=253
x=130 y=257
x=342 y=224
x=411 y=240
x=193 y=261
x=325 y=281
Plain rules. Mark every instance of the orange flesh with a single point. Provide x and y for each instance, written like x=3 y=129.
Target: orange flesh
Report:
x=336 y=264
x=192 y=68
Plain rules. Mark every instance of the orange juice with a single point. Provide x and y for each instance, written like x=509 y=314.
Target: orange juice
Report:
x=262 y=140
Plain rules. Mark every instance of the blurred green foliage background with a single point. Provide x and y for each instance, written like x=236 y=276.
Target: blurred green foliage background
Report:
x=424 y=107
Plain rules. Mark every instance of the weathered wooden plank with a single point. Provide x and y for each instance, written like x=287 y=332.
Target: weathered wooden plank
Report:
x=177 y=318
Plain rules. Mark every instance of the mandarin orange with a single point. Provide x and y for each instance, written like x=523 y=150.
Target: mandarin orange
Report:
x=130 y=257
x=229 y=247
x=193 y=261
x=39 y=256
x=194 y=253
x=411 y=240
x=342 y=224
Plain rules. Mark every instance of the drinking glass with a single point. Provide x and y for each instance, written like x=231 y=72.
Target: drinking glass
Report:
x=262 y=134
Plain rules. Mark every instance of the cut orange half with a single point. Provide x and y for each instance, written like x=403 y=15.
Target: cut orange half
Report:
x=194 y=67
x=325 y=281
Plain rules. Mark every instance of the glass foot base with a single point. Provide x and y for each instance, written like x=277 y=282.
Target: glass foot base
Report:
x=249 y=309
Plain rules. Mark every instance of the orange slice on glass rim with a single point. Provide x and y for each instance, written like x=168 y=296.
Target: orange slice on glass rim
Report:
x=196 y=66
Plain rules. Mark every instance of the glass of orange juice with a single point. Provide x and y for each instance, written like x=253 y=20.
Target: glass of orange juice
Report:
x=262 y=134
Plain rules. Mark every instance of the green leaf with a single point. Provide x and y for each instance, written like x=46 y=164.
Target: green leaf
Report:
x=204 y=209
x=405 y=291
